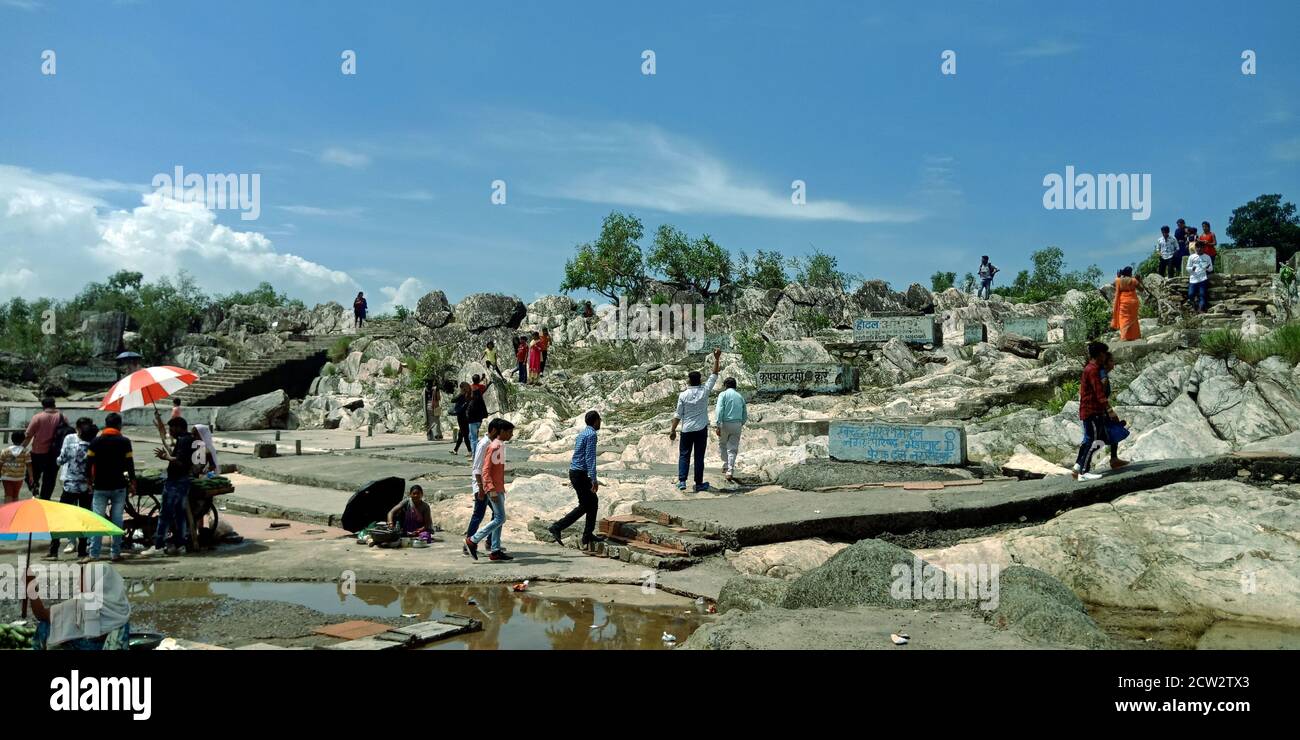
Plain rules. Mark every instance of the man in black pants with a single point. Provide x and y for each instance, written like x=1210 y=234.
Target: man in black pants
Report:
x=582 y=474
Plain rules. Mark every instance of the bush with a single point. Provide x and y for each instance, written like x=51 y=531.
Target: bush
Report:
x=1222 y=344
x=754 y=349
x=596 y=357
x=766 y=271
x=1049 y=279
x=811 y=320
x=820 y=270
x=433 y=364
x=941 y=281
x=338 y=352
x=1092 y=317
x=1148 y=266
x=1066 y=392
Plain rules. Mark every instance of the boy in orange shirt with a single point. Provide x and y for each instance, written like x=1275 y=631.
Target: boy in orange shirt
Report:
x=493 y=476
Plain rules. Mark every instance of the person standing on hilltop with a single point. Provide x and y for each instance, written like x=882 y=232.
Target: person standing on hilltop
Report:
x=521 y=358
x=359 y=310
x=1207 y=242
x=986 y=272
x=545 y=343
x=490 y=358
x=731 y=413
x=535 y=359
x=693 y=415
x=1167 y=249
x=1199 y=268
x=1124 y=311
x=1183 y=236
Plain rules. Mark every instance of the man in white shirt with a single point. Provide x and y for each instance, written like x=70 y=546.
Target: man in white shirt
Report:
x=693 y=415
x=1199 y=267
x=1167 y=248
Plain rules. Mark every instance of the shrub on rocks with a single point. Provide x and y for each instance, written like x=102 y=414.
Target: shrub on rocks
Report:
x=750 y=593
x=1039 y=606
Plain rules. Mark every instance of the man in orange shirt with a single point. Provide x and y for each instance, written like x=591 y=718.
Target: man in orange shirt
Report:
x=493 y=476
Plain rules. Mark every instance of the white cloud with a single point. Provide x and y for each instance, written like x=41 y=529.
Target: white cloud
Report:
x=344 y=157
x=407 y=294
x=1046 y=48
x=62 y=236
x=1287 y=151
x=641 y=166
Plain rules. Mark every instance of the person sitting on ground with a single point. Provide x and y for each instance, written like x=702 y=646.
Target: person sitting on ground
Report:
x=692 y=414
x=1094 y=410
x=15 y=466
x=98 y=618
x=412 y=514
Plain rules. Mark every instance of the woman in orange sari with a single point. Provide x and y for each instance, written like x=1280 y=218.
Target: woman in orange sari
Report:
x=1124 y=316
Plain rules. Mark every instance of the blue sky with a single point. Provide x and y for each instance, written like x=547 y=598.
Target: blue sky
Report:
x=382 y=181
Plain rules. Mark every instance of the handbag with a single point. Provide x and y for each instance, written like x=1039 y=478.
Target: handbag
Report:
x=1116 y=431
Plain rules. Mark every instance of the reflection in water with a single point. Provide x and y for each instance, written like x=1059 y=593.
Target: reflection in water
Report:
x=511 y=620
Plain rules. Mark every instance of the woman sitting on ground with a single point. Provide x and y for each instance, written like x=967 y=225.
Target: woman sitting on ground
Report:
x=95 y=619
x=412 y=514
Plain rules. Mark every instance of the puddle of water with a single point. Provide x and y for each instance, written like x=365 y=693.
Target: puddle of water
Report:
x=530 y=620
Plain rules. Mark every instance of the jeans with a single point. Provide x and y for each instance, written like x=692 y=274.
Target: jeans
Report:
x=492 y=532
x=523 y=373
x=476 y=518
x=1198 y=295
x=114 y=502
x=729 y=443
x=45 y=469
x=73 y=498
x=542 y=368
x=1094 y=429
x=697 y=442
x=473 y=435
x=172 y=516
x=462 y=435
x=588 y=504
x=1168 y=267
x=986 y=288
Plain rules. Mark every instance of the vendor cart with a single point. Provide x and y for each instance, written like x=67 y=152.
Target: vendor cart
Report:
x=140 y=515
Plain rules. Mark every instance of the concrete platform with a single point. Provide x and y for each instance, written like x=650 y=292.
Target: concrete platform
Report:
x=851 y=515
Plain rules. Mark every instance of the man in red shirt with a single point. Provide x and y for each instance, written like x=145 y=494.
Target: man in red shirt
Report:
x=1093 y=409
x=40 y=430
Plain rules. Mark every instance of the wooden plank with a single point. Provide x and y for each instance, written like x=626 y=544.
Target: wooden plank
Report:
x=658 y=549
x=923 y=486
x=366 y=643
x=353 y=630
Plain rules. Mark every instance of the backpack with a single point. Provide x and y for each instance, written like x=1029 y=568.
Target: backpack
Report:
x=61 y=433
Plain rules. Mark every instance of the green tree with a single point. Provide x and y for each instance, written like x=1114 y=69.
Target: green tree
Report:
x=766 y=271
x=689 y=264
x=1049 y=279
x=165 y=313
x=263 y=295
x=820 y=270
x=612 y=265
x=1266 y=222
x=941 y=281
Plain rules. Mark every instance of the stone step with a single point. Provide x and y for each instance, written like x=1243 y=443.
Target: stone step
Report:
x=645 y=554
x=631 y=528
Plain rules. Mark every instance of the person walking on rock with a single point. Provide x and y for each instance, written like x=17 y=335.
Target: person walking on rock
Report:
x=476 y=485
x=433 y=406
x=1167 y=249
x=72 y=473
x=461 y=411
x=1199 y=268
x=1125 y=308
x=494 y=485
x=359 y=310
x=476 y=412
x=582 y=474
x=1094 y=409
x=692 y=415
x=986 y=272
x=730 y=413
x=490 y=358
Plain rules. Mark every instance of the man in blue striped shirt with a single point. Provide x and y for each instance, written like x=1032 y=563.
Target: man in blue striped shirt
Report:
x=582 y=474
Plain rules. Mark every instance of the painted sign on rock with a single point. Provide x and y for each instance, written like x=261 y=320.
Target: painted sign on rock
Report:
x=805 y=378
x=864 y=441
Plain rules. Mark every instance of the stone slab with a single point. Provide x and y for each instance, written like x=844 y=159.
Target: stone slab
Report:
x=1034 y=327
x=710 y=342
x=1255 y=261
x=424 y=632
x=974 y=334
x=859 y=441
x=366 y=643
x=805 y=377
x=910 y=329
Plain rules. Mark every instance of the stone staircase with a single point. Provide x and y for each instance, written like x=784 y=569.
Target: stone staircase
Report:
x=640 y=541
x=1230 y=296
x=242 y=380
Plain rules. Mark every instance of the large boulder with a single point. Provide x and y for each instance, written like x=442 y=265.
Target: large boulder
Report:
x=801 y=351
x=862 y=573
x=784 y=560
x=1039 y=606
x=918 y=299
x=481 y=311
x=269 y=411
x=433 y=310
x=1019 y=346
x=103 y=332
x=751 y=592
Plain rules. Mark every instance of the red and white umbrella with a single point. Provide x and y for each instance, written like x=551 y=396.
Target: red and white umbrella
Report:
x=144 y=387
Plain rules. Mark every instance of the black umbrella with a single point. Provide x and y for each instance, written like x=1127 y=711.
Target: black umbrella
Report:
x=372 y=502
x=130 y=356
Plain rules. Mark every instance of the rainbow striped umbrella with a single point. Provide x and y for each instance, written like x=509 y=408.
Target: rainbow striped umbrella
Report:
x=144 y=387
x=40 y=519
